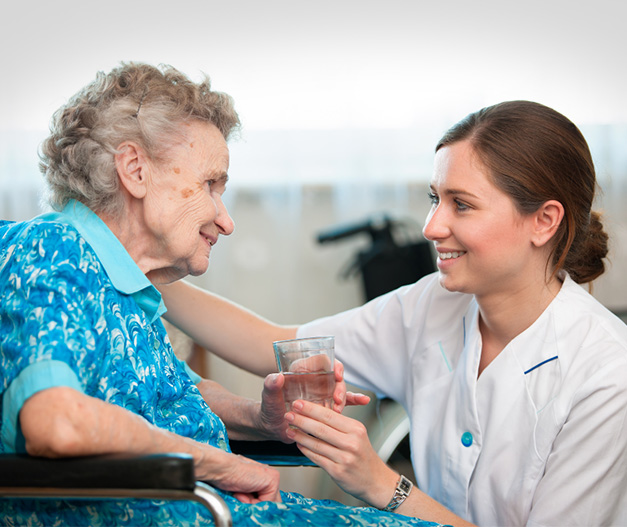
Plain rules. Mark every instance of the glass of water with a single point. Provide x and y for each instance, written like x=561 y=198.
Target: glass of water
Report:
x=307 y=365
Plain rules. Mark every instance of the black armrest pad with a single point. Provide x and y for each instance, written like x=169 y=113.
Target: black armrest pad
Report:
x=264 y=448
x=271 y=452
x=159 y=471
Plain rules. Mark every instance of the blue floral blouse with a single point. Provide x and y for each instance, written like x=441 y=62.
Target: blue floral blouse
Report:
x=76 y=311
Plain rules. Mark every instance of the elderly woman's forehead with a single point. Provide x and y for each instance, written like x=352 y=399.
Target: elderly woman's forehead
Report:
x=201 y=129
x=199 y=135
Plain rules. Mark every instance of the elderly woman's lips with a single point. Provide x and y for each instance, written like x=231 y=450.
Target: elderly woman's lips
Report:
x=209 y=239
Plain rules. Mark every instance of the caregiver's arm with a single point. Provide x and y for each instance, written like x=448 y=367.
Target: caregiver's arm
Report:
x=63 y=422
x=223 y=327
x=340 y=445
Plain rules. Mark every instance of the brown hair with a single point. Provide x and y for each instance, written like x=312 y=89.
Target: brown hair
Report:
x=136 y=102
x=535 y=154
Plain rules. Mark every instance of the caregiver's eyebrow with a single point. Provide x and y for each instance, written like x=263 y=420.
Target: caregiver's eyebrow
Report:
x=455 y=192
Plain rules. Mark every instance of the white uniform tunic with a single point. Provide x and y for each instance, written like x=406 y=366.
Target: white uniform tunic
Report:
x=540 y=438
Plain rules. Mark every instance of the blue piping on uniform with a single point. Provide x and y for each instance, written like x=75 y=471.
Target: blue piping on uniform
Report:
x=540 y=364
x=445 y=359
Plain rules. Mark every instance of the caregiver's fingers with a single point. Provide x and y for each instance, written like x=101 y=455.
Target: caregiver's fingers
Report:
x=338 y=369
x=357 y=399
x=309 y=414
x=338 y=430
x=348 y=445
x=339 y=393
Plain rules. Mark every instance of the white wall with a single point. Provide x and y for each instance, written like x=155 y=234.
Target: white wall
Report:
x=342 y=95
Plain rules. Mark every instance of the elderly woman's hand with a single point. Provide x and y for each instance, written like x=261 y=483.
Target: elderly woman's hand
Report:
x=272 y=415
x=249 y=481
x=62 y=422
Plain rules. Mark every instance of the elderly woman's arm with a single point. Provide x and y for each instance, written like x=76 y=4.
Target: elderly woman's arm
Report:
x=247 y=418
x=258 y=420
x=223 y=327
x=62 y=422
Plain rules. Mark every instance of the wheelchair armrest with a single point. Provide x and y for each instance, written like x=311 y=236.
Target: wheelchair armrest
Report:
x=274 y=453
x=157 y=476
x=160 y=471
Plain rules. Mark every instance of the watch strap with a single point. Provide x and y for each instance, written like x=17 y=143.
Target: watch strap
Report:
x=402 y=490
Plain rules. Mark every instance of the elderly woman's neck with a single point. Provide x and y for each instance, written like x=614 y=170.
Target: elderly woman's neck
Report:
x=126 y=230
x=133 y=235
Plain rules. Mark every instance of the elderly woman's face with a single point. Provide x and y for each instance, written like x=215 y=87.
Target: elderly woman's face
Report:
x=183 y=206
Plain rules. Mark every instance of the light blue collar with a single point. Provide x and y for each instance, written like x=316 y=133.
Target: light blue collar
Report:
x=124 y=273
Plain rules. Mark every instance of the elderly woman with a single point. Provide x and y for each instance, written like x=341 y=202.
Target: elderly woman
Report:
x=136 y=165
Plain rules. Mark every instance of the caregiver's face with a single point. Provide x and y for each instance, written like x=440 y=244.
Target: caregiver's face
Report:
x=185 y=209
x=483 y=243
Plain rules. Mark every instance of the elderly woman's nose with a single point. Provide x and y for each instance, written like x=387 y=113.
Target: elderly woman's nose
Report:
x=223 y=220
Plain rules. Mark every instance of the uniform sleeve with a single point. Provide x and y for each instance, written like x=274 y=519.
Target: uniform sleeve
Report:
x=375 y=342
x=49 y=319
x=586 y=473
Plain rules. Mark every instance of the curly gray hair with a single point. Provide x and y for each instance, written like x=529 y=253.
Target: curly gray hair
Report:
x=134 y=102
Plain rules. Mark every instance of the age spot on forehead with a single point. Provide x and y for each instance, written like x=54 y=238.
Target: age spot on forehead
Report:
x=186 y=192
x=177 y=170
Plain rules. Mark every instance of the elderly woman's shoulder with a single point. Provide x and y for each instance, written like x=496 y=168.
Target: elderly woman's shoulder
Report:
x=45 y=225
x=41 y=238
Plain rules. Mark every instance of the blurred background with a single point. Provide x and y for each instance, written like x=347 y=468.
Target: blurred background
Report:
x=342 y=102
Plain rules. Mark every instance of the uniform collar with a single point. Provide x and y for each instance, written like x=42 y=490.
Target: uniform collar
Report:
x=531 y=350
x=540 y=343
x=124 y=273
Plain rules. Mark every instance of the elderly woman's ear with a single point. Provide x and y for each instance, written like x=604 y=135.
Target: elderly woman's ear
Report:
x=132 y=166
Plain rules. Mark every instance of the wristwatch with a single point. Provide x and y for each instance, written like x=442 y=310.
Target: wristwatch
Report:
x=403 y=488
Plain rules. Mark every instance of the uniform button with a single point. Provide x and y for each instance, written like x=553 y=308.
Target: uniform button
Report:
x=466 y=439
x=155 y=344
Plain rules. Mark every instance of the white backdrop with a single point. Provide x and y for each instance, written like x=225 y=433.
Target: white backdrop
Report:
x=341 y=101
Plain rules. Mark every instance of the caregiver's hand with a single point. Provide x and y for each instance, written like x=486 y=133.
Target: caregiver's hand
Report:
x=342 y=397
x=340 y=445
x=272 y=421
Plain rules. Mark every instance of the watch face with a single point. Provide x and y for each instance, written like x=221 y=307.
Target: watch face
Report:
x=405 y=484
x=403 y=488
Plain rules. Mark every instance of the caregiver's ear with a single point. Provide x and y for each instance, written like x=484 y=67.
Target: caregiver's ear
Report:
x=546 y=221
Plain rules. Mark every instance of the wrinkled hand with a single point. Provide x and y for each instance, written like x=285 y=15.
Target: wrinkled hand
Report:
x=249 y=481
x=272 y=416
x=340 y=445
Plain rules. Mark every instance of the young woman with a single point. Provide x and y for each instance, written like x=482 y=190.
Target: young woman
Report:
x=514 y=376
